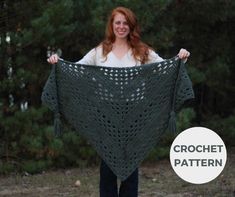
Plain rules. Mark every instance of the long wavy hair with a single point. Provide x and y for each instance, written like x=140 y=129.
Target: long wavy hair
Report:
x=140 y=50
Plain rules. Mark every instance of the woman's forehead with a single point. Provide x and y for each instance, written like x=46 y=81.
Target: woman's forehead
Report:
x=119 y=17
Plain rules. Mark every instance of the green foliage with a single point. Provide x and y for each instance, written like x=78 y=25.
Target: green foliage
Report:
x=76 y=151
x=34 y=147
x=185 y=119
x=33 y=166
x=52 y=26
x=6 y=167
x=225 y=127
x=158 y=153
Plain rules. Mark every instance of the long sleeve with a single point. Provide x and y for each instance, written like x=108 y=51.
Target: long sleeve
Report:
x=89 y=58
x=154 y=57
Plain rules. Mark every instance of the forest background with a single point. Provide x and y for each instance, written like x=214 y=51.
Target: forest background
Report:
x=30 y=31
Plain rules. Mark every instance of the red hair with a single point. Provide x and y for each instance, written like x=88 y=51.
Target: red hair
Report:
x=140 y=50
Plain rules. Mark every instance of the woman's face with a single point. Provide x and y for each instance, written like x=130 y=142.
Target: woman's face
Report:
x=121 y=28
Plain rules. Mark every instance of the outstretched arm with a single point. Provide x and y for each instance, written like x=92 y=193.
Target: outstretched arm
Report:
x=154 y=57
x=88 y=59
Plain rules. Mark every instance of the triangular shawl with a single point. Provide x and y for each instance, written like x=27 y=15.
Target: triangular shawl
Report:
x=121 y=111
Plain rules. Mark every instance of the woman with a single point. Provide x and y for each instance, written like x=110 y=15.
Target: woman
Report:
x=122 y=47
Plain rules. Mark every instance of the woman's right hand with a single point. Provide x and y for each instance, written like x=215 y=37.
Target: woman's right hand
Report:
x=53 y=59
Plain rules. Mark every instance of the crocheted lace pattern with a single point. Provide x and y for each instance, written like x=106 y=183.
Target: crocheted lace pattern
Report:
x=121 y=111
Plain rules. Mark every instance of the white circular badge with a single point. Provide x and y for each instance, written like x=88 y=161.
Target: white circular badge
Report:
x=198 y=155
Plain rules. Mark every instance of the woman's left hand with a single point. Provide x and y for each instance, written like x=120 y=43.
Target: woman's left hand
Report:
x=183 y=54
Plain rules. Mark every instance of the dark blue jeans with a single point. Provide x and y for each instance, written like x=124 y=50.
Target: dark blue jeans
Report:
x=108 y=183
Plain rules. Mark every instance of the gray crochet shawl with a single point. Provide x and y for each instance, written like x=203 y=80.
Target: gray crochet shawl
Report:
x=123 y=111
